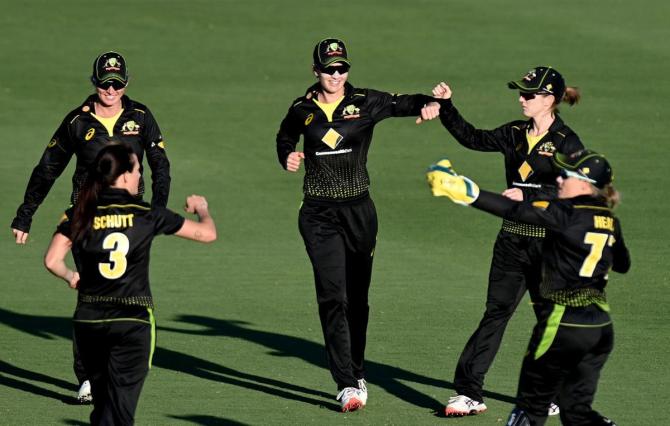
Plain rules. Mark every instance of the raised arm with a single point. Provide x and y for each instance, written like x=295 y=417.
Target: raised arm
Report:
x=204 y=230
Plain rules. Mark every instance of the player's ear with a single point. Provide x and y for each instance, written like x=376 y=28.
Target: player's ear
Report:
x=316 y=74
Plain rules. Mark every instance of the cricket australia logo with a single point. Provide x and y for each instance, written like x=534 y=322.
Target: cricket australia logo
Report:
x=333 y=49
x=530 y=75
x=112 y=64
x=332 y=138
x=130 y=128
x=547 y=149
x=350 y=111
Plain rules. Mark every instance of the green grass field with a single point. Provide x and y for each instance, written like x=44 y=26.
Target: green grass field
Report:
x=239 y=339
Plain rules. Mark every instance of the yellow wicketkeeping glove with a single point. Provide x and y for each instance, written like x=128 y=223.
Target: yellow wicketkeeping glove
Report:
x=444 y=182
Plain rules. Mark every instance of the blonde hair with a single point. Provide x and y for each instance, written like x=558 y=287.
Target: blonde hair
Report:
x=610 y=194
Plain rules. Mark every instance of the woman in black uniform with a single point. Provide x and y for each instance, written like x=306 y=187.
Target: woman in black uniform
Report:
x=528 y=147
x=110 y=230
x=573 y=336
x=337 y=220
x=106 y=116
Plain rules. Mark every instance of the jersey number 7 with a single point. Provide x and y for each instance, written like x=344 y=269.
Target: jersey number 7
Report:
x=597 y=242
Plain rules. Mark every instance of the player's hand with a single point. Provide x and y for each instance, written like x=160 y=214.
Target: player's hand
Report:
x=293 y=161
x=429 y=111
x=74 y=281
x=515 y=194
x=196 y=204
x=442 y=91
x=20 y=236
x=444 y=182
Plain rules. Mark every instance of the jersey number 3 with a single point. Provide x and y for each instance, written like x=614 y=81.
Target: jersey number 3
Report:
x=597 y=242
x=118 y=244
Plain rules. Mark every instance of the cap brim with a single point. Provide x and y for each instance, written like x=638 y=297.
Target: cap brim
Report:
x=562 y=161
x=332 y=60
x=110 y=77
x=520 y=86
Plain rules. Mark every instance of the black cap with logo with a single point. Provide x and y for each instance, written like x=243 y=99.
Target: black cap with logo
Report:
x=586 y=165
x=110 y=69
x=328 y=51
x=545 y=80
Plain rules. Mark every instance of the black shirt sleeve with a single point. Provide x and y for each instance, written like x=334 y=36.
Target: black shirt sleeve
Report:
x=157 y=159
x=288 y=136
x=469 y=136
x=65 y=225
x=384 y=105
x=621 y=257
x=54 y=160
x=166 y=221
x=541 y=213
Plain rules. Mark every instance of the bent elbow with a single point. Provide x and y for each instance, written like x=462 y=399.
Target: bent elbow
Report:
x=50 y=262
x=210 y=237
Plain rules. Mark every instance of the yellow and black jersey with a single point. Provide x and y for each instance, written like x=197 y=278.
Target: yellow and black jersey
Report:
x=337 y=138
x=113 y=256
x=83 y=134
x=528 y=160
x=584 y=242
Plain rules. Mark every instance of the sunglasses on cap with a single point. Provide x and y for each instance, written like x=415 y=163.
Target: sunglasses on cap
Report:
x=116 y=84
x=330 y=70
x=564 y=174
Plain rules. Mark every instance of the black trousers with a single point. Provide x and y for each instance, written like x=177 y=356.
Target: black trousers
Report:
x=340 y=241
x=566 y=353
x=515 y=268
x=116 y=356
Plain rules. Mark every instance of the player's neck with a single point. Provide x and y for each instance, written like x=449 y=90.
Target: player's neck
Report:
x=107 y=111
x=329 y=98
x=541 y=123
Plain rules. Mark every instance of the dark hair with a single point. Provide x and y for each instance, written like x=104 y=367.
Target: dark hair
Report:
x=111 y=162
x=572 y=95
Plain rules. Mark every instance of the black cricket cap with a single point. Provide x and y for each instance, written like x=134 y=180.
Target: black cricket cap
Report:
x=108 y=67
x=328 y=51
x=541 y=79
x=588 y=165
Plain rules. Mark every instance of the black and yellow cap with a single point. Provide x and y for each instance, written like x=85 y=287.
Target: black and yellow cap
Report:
x=541 y=79
x=108 y=67
x=585 y=165
x=328 y=51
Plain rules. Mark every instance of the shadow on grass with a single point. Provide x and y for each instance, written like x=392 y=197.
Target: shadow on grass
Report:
x=388 y=377
x=208 y=420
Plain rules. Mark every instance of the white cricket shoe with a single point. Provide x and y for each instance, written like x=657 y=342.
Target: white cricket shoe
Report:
x=363 y=391
x=554 y=410
x=351 y=399
x=461 y=405
x=84 y=395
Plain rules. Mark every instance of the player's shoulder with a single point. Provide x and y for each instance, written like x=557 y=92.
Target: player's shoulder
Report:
x=134 y=106
x=83 y=110
x=518 y=125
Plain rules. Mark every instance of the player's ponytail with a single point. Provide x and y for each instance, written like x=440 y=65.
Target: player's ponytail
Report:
x=572 y=95
x=111 y=162
x=611 y=195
